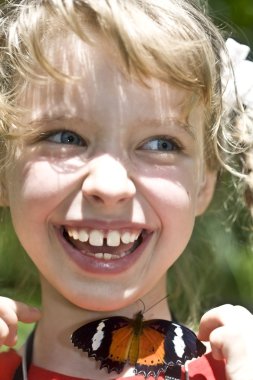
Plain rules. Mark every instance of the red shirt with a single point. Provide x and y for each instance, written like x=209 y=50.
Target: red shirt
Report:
x=204 y=368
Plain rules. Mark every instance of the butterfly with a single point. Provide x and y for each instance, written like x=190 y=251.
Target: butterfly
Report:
x=152 y=346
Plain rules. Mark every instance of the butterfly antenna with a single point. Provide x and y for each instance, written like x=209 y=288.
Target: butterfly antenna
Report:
x=155 y=304
x=144 y=307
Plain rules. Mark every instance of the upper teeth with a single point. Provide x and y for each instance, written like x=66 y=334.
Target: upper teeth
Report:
x=98 y=238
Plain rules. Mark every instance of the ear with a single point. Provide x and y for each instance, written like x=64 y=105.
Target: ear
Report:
x=206 y=191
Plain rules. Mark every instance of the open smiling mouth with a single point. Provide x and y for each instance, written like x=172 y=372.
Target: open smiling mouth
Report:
x=110 y=245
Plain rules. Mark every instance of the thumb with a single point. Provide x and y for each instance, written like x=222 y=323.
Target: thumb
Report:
x=10 y=313
x=25 y=313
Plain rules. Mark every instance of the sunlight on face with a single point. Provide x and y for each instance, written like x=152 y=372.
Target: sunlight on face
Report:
x=110 y=153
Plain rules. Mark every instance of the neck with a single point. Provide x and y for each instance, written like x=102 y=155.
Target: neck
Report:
x=53 y=349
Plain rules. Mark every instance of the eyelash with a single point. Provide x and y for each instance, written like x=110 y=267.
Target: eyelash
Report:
x=50 y=136
x=168 y=144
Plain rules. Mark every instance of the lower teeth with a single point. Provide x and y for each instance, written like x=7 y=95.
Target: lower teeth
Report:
x=107 y=256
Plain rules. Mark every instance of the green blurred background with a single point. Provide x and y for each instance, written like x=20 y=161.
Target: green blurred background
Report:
x=236 y=17
x=219 y=259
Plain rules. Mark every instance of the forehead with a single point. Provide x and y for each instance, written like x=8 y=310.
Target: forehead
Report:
x=99 y=82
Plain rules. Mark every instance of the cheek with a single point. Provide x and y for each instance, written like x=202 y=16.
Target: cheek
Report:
x=43 y=174
x=179 y=194
x=173 y=206
x=34 y=189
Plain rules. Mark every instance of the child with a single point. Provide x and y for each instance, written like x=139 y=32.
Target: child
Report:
x=111 y=140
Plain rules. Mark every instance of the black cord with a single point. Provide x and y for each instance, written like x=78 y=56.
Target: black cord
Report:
x=28 y=358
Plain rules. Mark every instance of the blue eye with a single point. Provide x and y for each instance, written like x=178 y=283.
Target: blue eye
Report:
x=66 y=137
x=161 y=144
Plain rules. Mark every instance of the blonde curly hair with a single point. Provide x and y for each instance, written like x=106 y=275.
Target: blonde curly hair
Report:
x=170 y=40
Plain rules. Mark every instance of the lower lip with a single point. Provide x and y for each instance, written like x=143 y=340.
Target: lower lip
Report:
x=97 y=266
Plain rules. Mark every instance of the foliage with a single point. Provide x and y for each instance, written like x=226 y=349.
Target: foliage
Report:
x=236 y=17
x=18 y=276
x=218 y=262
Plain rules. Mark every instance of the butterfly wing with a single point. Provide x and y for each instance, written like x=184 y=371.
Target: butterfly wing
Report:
x=152 y=347
x=173 y=373
x=106 y=340
x=181 y=344
x=164 y=346
x=150 y=361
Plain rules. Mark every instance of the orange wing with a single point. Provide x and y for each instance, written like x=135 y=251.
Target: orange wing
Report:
x=151 y=347
x=121 y=343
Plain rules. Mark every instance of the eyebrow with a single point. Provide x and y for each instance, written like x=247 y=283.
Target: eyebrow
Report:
x=171 y=122
x=46 y=118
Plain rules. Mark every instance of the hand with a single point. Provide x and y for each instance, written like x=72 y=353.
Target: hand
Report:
x=229 y=329
x=10 y=313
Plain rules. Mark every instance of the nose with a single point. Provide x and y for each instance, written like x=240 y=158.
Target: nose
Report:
x=107 y=182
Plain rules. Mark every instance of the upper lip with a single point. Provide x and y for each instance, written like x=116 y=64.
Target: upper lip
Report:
x=106 y=225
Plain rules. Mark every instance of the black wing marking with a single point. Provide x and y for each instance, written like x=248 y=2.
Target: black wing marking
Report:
x=173 y=373
x=180 y=345
x=95 y=338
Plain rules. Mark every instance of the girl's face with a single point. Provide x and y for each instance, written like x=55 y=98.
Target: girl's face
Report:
x=105 y=196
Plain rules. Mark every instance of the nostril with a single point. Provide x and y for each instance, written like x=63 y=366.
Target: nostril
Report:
x=107 y=194
x=103 y=186
x=109 y=199
x=97 y=198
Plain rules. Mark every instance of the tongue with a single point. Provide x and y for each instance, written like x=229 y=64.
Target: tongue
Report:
x=87 y=248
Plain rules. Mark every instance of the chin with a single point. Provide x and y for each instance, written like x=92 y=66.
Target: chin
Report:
x=102 y=303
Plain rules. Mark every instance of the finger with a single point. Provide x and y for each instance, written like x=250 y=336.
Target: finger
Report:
x=218 y=339
x=220 y=316
x=12 y=337
x=8 y=327
x=26 y=313
x=213 y=319
x=8 y=334
x=11 y=311
x=235 y=346
x=4 y=331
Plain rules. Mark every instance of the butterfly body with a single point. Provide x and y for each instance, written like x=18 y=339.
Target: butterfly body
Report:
x=151 y=347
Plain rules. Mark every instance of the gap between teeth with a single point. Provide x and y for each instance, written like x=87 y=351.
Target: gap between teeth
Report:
x=98 y=238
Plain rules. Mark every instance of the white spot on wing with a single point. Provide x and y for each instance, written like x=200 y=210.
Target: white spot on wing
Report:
x=179 y=344
x=98 y=336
